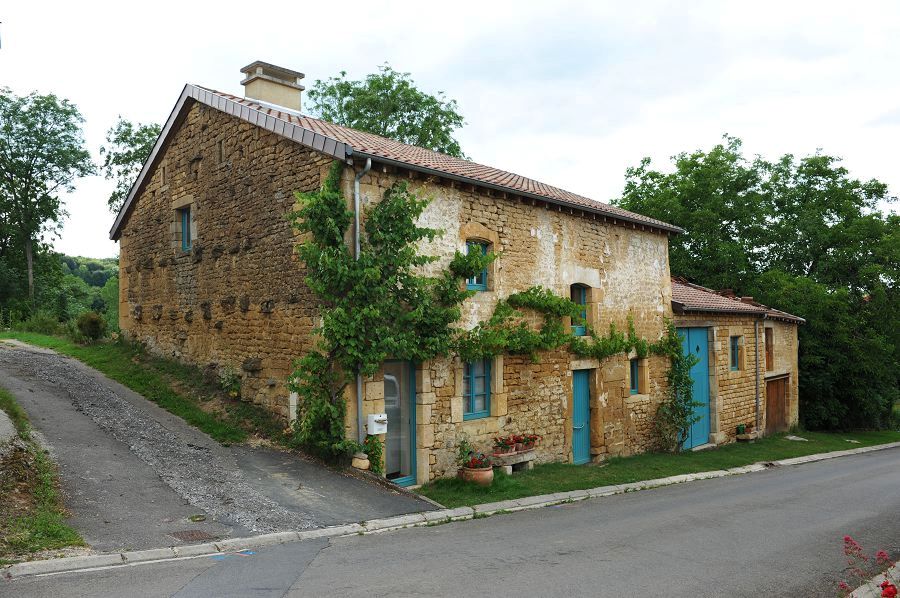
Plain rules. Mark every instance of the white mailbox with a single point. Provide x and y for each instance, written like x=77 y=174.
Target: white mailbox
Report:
x=377 y=423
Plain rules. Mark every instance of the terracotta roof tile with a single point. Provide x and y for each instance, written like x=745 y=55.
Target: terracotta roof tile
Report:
x=689 y=297
x=375 y=146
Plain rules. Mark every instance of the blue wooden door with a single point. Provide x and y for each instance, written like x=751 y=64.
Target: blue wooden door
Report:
x=695 y=342
x=581 y=417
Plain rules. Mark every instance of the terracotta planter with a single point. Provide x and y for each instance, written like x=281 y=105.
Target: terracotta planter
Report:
x=528 y=446
x=483 y=476
x=520 y=447
x=509 y=450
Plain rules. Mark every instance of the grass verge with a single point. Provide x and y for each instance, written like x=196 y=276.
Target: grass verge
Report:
x=180 y=389
x=15 y=413
x=32 y=517
x=562 y=477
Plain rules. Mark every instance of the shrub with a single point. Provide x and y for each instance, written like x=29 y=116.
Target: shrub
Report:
x=41 y=322
x=91 y=325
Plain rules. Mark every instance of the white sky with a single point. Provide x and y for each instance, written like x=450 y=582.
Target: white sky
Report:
x=568 y=93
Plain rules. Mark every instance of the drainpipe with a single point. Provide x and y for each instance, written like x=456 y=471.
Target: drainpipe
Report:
x=756 y=352
x=360 y=426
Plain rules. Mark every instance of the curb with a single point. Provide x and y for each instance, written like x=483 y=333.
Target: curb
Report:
x=872 y=588
x=426 y=518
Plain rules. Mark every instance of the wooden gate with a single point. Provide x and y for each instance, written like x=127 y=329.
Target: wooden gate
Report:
x=776 y=405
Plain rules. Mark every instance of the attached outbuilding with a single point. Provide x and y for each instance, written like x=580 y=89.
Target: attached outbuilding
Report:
x=747 y=369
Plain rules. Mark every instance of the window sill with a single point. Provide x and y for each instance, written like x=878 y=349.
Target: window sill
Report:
x=477 y=415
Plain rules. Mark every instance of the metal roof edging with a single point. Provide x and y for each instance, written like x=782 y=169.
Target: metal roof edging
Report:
x=463 y=179
x=148 y=164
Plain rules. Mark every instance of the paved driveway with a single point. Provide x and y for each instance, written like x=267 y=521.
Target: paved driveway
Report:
x=134 y=475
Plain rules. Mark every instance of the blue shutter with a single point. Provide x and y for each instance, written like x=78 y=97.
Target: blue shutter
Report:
x=477 y=389
x=735 y=353
x=186 y=229
x=578 y=294
x=635 y=382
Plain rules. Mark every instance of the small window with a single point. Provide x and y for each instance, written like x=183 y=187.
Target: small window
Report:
x=186 y=240
x=770 y=349
x=635 y=376
x=220 y=152
x=578 y=294
x=477 y=389
x=165 y=175
x=479 y=281
x=735 y=353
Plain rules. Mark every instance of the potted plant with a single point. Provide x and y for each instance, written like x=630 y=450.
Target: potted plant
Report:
x=520 y=442
x=529 y=440
x=504 y=445
x=741 y=429
x=473 y=467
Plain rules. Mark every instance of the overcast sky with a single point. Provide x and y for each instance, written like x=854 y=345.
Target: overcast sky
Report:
x=567 y=93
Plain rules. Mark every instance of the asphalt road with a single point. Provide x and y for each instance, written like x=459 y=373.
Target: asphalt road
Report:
x=772 y=533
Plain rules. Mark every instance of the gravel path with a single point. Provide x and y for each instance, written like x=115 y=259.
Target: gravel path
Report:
x=195 y=467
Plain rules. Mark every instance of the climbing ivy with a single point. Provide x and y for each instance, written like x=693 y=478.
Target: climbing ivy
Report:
x=380 y=306
x=372 y=308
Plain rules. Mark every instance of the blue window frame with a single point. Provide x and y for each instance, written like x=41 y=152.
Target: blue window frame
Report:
x=185 y=229
x=477 y=389
x=578 y=294
x=735 y=353
x=635 y=376
x=479 y=281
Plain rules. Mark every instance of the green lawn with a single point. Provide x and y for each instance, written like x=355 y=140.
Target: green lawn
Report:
x=32 y=517
x=178 y=388
x=561 y=477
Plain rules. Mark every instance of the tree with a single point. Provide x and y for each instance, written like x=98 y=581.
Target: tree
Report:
x=42 y=153
x=803 y=236
x=716 y=197
x=388 y=103
x=129 y=147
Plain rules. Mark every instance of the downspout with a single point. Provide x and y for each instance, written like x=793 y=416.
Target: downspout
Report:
x=360 y=426
x=756 y=352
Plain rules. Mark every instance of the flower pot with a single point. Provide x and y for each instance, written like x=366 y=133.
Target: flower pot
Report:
x=528 y=446
x=520 y=447
x=483 y=476
x=504 y=450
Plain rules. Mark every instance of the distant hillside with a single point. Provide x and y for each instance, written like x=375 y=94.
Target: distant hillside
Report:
x=94 y=271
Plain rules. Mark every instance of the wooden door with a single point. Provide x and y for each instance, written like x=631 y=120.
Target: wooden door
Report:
x=581 y=417
x=694 y=341
x=776 y=405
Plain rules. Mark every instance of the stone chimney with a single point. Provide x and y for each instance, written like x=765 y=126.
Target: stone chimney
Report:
x=272 y=84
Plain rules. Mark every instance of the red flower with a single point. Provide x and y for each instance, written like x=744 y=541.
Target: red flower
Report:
x=888 y=590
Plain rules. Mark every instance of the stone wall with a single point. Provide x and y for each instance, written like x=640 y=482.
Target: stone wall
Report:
x=237 y=299
x=733 y=392
x=627 y=274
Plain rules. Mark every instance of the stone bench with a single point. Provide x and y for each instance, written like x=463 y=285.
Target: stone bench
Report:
x=520 y=461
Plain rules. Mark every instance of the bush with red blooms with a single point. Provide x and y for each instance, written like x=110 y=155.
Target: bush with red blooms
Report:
x=862 y=568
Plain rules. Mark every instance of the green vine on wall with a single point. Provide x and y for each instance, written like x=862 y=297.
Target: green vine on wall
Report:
x=379 y=306
x=372 y=308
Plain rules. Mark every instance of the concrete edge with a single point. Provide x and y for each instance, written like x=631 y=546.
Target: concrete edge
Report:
x=425 y=518
x=872 y=589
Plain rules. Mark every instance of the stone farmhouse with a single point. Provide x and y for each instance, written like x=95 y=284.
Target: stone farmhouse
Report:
x=209 y=275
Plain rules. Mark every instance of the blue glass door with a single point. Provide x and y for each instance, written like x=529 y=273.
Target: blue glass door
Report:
x=400 y=407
